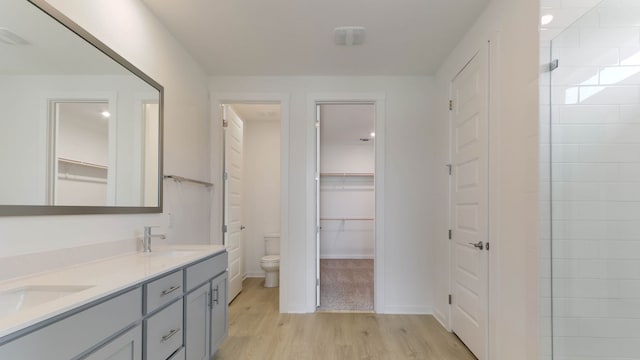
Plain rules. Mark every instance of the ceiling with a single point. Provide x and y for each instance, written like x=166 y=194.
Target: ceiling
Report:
x=51 y=48
x=295 y=37
x=257 y=112
x=342 y=124
x=347 y=124
x=85 y=115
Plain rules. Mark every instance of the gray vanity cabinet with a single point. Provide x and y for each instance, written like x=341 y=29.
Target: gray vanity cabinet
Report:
x=127 y=346
x=219 y=313
x=75 y=335
x=184 y=307
x=206 y=308
x=197 y=318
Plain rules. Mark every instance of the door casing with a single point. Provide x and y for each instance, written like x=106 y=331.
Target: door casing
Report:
x=378 y=100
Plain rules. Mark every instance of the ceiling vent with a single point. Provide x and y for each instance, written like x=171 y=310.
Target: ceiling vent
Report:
x=349 y=35
x=10 y=38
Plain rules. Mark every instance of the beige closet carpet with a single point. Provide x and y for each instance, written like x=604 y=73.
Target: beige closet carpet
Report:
x=346 y=285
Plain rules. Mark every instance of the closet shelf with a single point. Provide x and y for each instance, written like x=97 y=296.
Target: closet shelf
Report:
x=347 y=219
x=81 y=178
x=82 y=163
x=348 y=174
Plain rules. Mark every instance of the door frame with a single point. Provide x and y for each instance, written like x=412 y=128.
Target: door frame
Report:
x=494 y=185
x=49 y=101
x=378 y=100
x=217 y=151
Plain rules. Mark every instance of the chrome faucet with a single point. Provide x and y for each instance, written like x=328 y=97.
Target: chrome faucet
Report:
x=146 y=240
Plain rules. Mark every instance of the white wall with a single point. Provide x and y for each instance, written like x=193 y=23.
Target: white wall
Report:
x=261 y=189
x=408 y=110
x=513 y=234
x=140 y=38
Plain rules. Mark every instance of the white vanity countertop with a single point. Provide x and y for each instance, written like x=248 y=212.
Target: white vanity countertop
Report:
x=105 y=276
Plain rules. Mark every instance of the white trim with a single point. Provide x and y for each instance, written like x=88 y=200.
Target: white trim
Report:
x=98 y=96
x=255 y=275
x=347 y=257
x=440 y=317
x=283 y=99
x=408 y=310
x=379 y=99
x=494 y=192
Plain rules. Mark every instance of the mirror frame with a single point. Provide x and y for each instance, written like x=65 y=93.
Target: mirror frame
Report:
x=36 y=210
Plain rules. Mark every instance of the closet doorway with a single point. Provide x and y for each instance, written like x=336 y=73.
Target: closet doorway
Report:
x=251 y=193
x=345 y=212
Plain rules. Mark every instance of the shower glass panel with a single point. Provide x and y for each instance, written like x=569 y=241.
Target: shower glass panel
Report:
x=595 y=185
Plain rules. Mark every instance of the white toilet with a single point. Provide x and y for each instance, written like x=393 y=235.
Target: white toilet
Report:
x=270 y=263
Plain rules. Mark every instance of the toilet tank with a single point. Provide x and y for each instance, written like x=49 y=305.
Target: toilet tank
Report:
x=272 y=244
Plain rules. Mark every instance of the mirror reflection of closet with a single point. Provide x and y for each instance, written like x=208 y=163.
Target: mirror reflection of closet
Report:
x=80 y=171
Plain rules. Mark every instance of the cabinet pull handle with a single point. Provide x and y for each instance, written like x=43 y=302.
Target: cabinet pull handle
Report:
x=169 y=290
x=170 y=335
x=217 y=294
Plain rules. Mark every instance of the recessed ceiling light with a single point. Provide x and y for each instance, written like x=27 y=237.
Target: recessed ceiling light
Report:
x=106 y=114
x=546 y=19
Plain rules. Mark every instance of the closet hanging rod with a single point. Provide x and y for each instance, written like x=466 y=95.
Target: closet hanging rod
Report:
x=177 y=178
x=348 y=174
x=348 y=219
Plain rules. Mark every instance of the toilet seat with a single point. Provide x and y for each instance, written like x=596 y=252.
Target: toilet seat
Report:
x=270 y=258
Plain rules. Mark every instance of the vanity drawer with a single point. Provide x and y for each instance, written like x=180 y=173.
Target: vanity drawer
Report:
x=163 y=290
x=179 y=355
x=164 y=332
x=67 y=338
x=203 y=271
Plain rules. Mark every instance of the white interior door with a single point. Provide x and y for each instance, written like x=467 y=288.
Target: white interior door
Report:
x=469 y=207
x=233 y=199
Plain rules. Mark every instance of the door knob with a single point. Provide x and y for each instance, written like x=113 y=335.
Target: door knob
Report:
x=242 y=227
x=479 y=245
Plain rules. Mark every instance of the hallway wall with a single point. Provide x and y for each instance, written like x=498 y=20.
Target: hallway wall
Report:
x=512 y=25
x=408 y=178
x=261 y=189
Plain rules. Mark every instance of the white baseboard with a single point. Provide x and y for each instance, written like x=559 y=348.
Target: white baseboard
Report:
x=296 y=309
x=255 y=275
x=347 y=257
x=441 y=318
x=408 y=310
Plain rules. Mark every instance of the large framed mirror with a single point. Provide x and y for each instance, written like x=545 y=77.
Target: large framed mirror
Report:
x=80 y=126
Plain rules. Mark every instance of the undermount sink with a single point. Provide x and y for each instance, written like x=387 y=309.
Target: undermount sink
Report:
x=15 y=300
x=172 y=253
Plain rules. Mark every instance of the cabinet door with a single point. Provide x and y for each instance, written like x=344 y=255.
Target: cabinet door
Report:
x=197 y=323
x=127 y=346
x=219 y=311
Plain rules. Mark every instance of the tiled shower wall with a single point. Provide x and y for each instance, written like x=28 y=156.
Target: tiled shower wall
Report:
x=595 y=191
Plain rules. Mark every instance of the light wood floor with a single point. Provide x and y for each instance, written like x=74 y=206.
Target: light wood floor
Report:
x=258 y=331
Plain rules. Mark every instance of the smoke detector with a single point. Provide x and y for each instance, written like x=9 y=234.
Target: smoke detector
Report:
x=10 y=38
x=349 y=35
